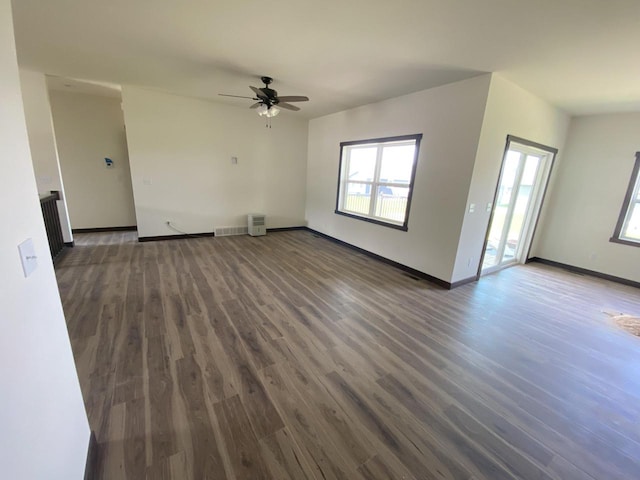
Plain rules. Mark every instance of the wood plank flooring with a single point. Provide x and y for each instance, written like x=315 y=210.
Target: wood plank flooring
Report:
x=290 y=357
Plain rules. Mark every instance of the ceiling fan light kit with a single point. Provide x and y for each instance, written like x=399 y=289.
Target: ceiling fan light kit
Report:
x=268 y=103
x=269 y=112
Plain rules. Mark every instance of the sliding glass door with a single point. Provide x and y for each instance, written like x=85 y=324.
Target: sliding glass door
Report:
x=523 y=175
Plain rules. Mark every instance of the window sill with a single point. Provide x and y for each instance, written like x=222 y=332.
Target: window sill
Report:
x=373 y=220
x=624 y=242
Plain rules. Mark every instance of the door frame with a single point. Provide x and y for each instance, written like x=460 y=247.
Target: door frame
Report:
x=553 y=153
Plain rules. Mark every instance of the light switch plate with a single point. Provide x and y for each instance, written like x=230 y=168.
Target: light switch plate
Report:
x=28 y=256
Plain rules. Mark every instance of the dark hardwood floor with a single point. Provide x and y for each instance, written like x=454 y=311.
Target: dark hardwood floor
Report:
x=291 y=357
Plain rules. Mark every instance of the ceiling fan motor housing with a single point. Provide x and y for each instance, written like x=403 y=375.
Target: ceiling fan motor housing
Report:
x=269 y=92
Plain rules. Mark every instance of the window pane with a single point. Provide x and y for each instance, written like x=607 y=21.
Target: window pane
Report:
x=508 y=177
x=530 y=170
x=362 y=163
x=517 y=220
x=505 y=189
x=522 y=199
x=391 y=203
x=632 y=231
x=357 y=197
x=397 y=163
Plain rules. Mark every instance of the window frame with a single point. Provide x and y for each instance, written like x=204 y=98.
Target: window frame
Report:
x=630 y=202
x=375 y=183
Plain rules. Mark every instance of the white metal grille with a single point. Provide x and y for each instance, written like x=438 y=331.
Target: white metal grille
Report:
x=227 y=231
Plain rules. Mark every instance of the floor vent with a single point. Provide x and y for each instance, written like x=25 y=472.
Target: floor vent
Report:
x=227 y=231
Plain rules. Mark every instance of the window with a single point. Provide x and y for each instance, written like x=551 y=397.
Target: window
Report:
x=376 y=179
x=628 y=227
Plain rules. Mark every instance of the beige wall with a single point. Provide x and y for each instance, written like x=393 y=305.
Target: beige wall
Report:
x=44 y=431
x=181 y=148
x=584 y=205
x=44 y=153
x=450 y=119
x=510 y=110
x=89 y=128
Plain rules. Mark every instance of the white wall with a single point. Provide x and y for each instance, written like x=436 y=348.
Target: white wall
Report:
x=43 y=426
x=89 y=128
x=42 y=142
x=583 y=209
x=510 y=110
x=180 y=150
x=450 y=119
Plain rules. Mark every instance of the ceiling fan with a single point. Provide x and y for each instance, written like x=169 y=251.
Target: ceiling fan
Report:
x=268 y=103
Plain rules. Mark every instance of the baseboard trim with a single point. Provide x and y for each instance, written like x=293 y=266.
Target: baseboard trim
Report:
x=128 y=228
x=206 y=234
x=63 y=253
x=404 y=268
x=176 y=237
x=92 y=458
x=584 y=271
x=285 y=229
x=464 y=281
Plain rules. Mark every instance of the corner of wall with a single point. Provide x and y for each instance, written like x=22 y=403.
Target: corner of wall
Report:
x=510 y=110
x=42 y=142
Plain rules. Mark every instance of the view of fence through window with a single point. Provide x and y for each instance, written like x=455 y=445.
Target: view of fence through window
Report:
x=375 y=178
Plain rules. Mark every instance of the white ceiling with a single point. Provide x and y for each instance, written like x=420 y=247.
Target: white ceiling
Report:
x=581 y=55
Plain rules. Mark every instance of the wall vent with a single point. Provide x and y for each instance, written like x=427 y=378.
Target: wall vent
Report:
x=228 y=231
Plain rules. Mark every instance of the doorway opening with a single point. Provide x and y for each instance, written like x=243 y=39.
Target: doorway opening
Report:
x=91 y=141
x=524 y=175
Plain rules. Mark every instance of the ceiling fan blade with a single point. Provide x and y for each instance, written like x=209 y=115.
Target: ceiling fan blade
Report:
x=259 y=92
x=294 y=98
x=256 y=105
x=286 y=106
x=237 y=96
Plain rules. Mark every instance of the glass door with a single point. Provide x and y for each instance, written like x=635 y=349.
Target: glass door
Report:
x=513 y=216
